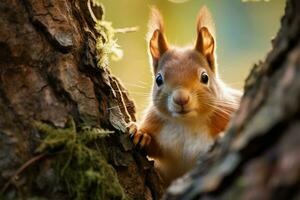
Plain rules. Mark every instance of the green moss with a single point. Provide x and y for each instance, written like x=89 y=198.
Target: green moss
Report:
x=36 y=198
x=83 y=169
x=237 y=189
x=106 y=43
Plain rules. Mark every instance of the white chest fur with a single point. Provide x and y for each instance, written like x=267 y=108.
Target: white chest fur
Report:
x=182 y=145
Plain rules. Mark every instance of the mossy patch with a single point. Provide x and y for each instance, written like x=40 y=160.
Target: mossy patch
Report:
x=237 y=189
x=106 y=43
x=81 y=166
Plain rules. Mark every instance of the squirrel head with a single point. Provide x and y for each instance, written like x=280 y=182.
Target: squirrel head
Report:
x=185 y=79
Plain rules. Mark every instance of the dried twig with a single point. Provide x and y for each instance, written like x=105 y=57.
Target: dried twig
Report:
x=21 y=169
x=127 y=29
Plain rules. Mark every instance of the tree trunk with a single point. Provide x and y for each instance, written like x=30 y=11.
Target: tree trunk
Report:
x=259 y=157
x=50 y=76
x=51 y=82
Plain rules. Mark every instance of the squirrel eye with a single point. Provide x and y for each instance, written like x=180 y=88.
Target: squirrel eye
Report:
x=204 y=78
x=159 y=79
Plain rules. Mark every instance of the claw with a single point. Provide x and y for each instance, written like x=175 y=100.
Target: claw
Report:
x=132 y=128
x=138 y=137
x=131 y=136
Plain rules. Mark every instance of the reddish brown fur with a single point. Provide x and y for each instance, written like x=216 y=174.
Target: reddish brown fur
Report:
x=182 y=68
x=209 y=106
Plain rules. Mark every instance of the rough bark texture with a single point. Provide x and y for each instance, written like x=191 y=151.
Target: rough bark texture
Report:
x=49 y=72
x=259 y=157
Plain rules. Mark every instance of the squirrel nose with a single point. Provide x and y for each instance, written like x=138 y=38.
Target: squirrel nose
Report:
x=181 y=97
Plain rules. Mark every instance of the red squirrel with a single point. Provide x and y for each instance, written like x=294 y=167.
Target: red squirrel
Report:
x=190 y=106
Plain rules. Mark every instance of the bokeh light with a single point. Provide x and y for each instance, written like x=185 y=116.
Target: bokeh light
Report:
x=244 y=34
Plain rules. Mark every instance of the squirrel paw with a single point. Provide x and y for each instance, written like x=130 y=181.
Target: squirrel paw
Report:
x=139 y=137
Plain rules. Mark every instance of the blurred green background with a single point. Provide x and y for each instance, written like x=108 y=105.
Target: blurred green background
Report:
x=244 y=33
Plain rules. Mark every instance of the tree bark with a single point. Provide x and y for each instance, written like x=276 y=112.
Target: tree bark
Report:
x=259 y=157
x=49 y=74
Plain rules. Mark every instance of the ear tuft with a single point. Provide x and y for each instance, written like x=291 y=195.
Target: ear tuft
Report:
x=156 y=21
x=205 y=43
x=156 y=38
x=205 y=19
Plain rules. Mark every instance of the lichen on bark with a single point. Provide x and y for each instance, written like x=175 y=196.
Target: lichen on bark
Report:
x=49 y=73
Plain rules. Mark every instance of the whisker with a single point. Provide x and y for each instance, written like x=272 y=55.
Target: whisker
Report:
x=227 y=105
x=124 y=91
x=144 y=83
x=225 y=110
x=135 y=85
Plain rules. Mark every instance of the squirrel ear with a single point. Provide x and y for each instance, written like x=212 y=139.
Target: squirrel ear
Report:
x=157 y=43
x=205 y=43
